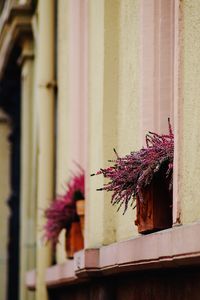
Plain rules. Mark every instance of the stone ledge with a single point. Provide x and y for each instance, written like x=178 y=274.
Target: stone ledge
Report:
x=61 y=274
x=86 y=262
x=168 y=248
x=171 y=248
x=30 y=280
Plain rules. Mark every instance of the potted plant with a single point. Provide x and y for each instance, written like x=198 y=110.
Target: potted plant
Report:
x=144 y=176
x=76 y=191
x=63 y=214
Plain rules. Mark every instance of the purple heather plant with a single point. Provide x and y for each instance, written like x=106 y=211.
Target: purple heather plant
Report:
x=62 y=211
x=129 y=175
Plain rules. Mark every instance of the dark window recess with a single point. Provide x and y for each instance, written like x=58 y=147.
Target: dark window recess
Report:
x=10 y=103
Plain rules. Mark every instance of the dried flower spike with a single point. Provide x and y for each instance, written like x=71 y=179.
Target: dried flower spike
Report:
x=132 y=173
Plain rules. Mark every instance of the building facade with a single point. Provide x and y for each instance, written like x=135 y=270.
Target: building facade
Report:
x=77 y=79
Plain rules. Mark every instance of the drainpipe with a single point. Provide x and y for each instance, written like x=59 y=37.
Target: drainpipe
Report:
x=45 y=108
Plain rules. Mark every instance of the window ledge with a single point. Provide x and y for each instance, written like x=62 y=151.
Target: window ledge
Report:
x=61 y=274
x=31 y=280
x=171 y=248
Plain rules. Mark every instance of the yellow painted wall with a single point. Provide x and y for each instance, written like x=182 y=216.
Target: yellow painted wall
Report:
x=28 y=172
x=128 y=105
x=45 y=101
x=113 y=108
x=4 y=211
x=62 y=150
x=63 y=95
x=190 y=170
x=100 y=218
x=110 y=105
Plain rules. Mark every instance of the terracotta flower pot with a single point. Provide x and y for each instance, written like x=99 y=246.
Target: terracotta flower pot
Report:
x=80 y=210
x=74 y=239
x=155 y=211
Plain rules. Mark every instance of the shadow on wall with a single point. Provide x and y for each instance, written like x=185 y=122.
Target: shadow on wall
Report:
x=10 y=103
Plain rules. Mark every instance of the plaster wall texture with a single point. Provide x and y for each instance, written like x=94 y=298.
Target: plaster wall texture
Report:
x=77 y=82
x=113 y=108
x=45 y=100
x=27 y=207
x=156 y=65
x=131 y=73
x=128 y=103
x=62 y=150
x=95 y=210
x=4 y=211
x=110 y=103
x=72 y=79
x=190 y=152
x=72 y=95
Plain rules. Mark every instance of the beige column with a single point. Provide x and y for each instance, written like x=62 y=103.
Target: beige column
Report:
x=189 y=137
x=72 y=95
x=113 y=109
x=103 y=101
x=128 y=106
x=45 y=106
x=62 y=147
x=28 y=203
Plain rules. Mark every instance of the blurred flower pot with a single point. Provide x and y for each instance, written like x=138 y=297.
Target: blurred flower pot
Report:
x=74 y=239
x=80 y=210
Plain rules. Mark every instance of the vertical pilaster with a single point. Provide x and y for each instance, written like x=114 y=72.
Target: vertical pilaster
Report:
x=189 y=133
x=72 y=94
x=103 y=108
x=28 y=203
x=45 y=107
x=128 y=106
x=62 y=146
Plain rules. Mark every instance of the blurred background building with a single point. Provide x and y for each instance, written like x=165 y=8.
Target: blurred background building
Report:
x=77 y=79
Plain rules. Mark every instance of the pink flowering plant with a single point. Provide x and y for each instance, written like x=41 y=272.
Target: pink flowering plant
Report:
x=130 y=174
x=62 y=211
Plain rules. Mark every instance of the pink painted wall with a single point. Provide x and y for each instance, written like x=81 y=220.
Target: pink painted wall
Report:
x=78 y=82
x=156 y=64
x=160 y=75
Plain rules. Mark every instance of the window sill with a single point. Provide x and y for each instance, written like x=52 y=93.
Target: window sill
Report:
x=174 y=247
x=31 y=280
x=171 y=248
